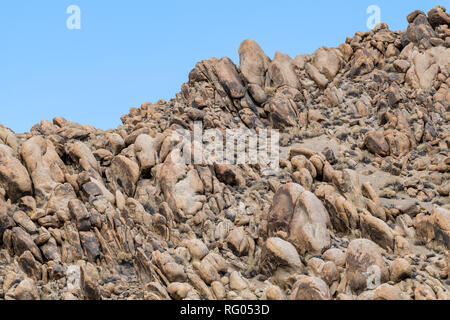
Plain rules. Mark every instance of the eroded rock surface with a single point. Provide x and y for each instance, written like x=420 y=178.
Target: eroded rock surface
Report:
x=358 y=209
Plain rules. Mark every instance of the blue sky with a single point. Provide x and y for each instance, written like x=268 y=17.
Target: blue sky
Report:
x=130 y=52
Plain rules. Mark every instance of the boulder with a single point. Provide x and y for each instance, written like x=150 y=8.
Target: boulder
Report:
x=302 y=217
x=365 y=265
x=281 y=72
x=14 y=177
x=44 y=165
x=279 y=260
x=310 y=288
x=123 y=175
x=253 y=62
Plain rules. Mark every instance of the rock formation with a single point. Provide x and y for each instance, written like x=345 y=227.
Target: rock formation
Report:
x=358 y=209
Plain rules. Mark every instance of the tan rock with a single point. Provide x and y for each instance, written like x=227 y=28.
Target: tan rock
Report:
x=281 y=71
x=388 y=292
x=400 y=270
x=14 y=177
x=253 y=62
x=364 y=263
x=310 y=288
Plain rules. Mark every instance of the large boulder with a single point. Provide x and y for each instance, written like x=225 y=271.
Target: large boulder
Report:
x=229 y=78
x=182 y=187
x=425 y=65
x=44 y=165
x=14 y=177
x=438 y=16
x=282 y=112
x=147 y=150
x=253 y=62
x=280 y=260
x=301 y=216
x=328 y=61
x=419 y=30
x=376 y=143
x=310 y=288
x=281 y=72
x=123 y=174
x=365 y=265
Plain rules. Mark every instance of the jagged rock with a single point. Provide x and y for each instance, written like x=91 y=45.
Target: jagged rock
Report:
x=419 y=30
x=282 y=113
x=229 y=78
x=30 y=266
x=22 y=241
x=89 y=282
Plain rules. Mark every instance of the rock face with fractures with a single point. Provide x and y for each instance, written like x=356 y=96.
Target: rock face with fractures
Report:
x=358 y=208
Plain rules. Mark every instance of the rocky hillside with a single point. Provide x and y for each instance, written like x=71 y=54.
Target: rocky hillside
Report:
x=359 y=208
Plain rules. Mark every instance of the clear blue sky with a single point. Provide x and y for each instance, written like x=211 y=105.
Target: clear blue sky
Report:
x=130 y=52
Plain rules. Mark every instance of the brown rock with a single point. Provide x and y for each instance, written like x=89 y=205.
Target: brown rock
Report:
x=279 y=260
x=253 y=62
x=14 y=177
x=123 y=174
x=388 y=292
x=310 y=288
x=363 y=261
x=376 y=143
x=400 y=270
x=281 y=71
x=26 y=290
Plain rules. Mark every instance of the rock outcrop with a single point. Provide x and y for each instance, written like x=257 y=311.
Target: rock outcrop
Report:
x=357 y=207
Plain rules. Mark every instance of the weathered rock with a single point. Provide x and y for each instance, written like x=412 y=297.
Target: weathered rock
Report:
x=388 y=292
x=14 y=177
x=26 y=290
x=123 y=174
x=364 y=264
x=279 y=260
x=44 y=165
x=22 y=242
x=438 y=16
x=400 y=270
x=281 y=71
x=378 y=231
x=253 y=62
x=310 y=288
x=376 y=143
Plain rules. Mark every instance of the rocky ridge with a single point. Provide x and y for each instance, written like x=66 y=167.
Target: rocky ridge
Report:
x=358 y=210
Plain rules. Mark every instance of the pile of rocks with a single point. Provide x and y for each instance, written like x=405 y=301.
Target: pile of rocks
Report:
x=359 y=208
